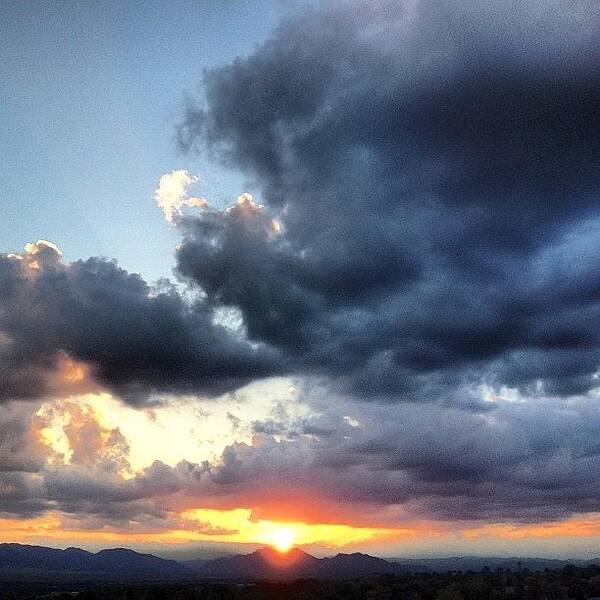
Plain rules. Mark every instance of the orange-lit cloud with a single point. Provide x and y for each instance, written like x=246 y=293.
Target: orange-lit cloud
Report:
x=187 y=427
x=74 y=434
x=588 y=526
x=70 y=377
x=247 y=487
x=237 y=527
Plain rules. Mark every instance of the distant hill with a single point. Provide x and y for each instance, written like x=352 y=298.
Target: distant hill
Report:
x=362 y=565
x=18 y=558
x=267 y=563
x=478 y=563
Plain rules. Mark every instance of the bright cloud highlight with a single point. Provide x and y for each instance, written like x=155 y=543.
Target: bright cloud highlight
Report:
x=171 y=195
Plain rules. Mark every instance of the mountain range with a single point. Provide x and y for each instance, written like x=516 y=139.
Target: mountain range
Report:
x=19 y=561
x=39 y=560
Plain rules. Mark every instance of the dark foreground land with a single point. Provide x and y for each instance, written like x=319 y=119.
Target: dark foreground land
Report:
x=568 y=583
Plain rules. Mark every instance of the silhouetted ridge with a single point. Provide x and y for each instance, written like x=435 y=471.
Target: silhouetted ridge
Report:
x=117 y=561
x=268 y=563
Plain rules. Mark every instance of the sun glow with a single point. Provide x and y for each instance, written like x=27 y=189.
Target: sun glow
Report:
x=282 y=538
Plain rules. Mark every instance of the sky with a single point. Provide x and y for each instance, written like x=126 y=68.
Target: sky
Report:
x=91 y=96
x=322 y=274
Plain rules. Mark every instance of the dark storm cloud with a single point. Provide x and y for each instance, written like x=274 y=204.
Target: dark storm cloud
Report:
x=136 y=341
x=431 y=165
x=20 y=450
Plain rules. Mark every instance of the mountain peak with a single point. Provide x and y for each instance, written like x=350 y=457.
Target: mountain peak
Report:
x=269 y=563
x=270 y=551
x=121 y=551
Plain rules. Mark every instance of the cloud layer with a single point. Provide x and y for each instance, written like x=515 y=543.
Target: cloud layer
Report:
x=435 y=169
x=89 y=325
x=429 y=177
x=384 y=467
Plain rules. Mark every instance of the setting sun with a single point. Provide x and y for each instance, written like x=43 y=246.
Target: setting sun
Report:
x=282 y=538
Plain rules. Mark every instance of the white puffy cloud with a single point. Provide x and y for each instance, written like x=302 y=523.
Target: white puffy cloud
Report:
x=171 y=195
